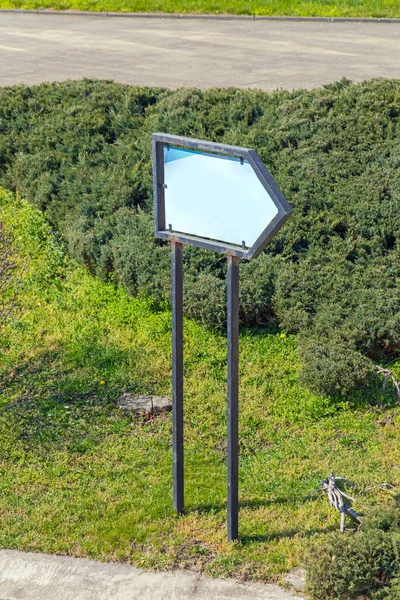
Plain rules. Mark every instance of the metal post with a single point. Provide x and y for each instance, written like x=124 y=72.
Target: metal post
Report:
x=233 y=397
x=177 y=376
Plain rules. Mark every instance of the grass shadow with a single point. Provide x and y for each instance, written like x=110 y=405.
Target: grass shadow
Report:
x=288 y=534
x=253 y=504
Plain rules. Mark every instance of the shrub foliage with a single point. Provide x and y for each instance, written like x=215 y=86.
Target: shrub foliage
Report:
x=361 y=565
x=80 y=151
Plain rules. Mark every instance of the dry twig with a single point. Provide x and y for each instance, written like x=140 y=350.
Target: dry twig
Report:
x=386 y=487
x=335 y=497
x=388 y=374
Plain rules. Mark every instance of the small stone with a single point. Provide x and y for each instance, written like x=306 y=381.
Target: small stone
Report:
x=296 y=579
x=144 y=405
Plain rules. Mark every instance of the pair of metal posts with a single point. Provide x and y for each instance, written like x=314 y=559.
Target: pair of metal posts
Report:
x=233 y=386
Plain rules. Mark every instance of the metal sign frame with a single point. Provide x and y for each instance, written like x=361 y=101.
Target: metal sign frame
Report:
x=251 y=156
x=234 y=253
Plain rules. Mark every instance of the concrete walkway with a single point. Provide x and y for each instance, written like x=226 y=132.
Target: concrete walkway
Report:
x=195 y=52
x=26 y=576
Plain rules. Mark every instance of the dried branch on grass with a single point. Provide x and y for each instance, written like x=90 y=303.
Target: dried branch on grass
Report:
x=335 y=497
x=385 y=487
x=388 y=374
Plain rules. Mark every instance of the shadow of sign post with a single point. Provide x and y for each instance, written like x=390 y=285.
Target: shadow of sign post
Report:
x=221 y=198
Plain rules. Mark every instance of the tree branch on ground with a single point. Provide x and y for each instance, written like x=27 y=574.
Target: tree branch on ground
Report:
x=386 y=487
x=388 y=374
x=335 y=497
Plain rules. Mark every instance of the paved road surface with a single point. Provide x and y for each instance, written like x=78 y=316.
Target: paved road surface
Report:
x=25 y=576
x=195 y=52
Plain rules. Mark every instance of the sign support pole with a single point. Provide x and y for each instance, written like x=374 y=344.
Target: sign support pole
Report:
x=177 y=376
x=233 y=397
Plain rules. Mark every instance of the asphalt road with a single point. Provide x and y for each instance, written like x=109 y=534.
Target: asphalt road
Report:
x=195 y=52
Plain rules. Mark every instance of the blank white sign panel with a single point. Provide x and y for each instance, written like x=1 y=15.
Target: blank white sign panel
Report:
x=215 y=197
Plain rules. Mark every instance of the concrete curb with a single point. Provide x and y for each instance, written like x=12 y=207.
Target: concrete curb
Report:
x=29 y=576
x=132 y=15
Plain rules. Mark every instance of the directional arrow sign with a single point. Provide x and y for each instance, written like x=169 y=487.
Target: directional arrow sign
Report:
x=222 y=198
x=215 y=196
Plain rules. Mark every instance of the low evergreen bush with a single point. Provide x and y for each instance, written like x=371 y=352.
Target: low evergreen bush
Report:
x=361 y=565
x=81 y=152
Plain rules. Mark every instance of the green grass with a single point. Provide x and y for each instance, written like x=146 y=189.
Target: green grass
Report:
x=303 y=8
x=78 y=477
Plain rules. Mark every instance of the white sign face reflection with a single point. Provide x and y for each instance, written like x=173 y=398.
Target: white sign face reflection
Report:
x=215 y=197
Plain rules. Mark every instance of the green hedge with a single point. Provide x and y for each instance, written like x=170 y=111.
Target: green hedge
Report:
x=81 y=152
x=361 y=565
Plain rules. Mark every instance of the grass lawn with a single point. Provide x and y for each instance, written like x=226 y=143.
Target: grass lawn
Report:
x=78 y=477
x=303 y=8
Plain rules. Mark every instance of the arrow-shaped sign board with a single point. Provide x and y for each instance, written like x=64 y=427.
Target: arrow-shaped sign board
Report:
x=215 y=196
x=221 y=198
